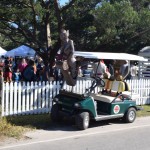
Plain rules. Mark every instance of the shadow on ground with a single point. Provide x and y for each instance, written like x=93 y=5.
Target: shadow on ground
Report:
x=68 y=125
x=44 y=122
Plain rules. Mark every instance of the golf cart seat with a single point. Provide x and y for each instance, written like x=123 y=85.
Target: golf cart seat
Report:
x=103 y=98
x=112 y=91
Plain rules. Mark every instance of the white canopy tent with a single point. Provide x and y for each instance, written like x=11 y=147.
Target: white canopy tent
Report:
x=22 y=51
x=145 y=52
x=2 y=52
x=144 y=66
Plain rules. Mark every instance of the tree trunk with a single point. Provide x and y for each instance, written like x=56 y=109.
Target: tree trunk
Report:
x=48 y=35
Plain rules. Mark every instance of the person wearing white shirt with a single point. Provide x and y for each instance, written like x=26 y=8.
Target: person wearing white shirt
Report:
x=133 y=71
x=99 y=69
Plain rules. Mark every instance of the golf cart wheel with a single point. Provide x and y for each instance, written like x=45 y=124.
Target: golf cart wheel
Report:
x=82 y=120
x=55 y=113
x=130 y=115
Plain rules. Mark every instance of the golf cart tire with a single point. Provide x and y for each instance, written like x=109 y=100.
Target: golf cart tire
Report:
x=130 y=115
x=55 y=117
x=82 y=120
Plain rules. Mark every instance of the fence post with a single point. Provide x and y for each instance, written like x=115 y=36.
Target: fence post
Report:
x=1 y=96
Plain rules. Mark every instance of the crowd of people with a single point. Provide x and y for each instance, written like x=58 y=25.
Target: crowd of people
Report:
x=111 y=69
x=25 y=69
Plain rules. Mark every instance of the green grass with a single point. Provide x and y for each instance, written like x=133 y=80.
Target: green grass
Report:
x=145 y=112
x=16 y=126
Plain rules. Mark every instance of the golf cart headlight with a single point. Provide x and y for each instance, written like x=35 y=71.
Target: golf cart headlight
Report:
x=55 y=99
x=77 y=105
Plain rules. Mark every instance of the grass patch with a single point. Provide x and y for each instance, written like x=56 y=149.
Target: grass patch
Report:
x=0 y=109
x=9 y=130
x=16 y=126
x=145 y=112
x=31 y=121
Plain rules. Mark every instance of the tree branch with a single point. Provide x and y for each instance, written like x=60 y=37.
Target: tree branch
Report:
x=34 y=18
x=140 y=33
x=58 y=15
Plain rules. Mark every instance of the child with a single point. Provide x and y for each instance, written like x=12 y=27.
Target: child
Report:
x=16 y=75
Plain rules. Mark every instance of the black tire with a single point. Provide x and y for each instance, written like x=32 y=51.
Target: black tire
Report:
x=55 y=113
x=82 y=120
x=130 y=115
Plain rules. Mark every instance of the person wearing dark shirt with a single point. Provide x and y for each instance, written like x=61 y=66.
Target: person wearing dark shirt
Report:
x=111 y=68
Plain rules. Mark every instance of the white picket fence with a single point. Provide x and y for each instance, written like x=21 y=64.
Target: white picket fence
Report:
x=26 y=98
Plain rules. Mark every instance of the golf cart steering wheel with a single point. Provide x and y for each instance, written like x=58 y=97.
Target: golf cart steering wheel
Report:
x=97 y=82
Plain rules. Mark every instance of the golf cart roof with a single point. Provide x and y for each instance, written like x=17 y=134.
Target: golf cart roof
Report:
x=106 y=55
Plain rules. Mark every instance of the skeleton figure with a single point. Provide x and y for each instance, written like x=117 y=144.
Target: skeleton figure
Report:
x=67 y=52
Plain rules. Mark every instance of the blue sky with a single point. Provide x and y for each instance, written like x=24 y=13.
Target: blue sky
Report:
x=62 y=2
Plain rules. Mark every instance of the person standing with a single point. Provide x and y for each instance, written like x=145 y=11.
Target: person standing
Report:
x=1 y=79
x=8 y=74
x=16 y=75
x=124 y=69
x=39 y=67
x=111 y=68
x=29 y=72
x=22 y=65
x=99 y=69
x=134 y=71
x=45 y=73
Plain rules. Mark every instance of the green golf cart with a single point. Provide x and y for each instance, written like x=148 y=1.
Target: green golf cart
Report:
x=104 y=99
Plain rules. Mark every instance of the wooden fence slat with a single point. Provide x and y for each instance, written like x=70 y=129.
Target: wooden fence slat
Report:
x=35 y=98
x=39 y=98
x=15 y=98
x=23 y=98
x=7 y=99
x=19 y=98
x=31 y=98
x=3 y=104
x=27 y=98
x=11 y=99
x=51 y=94
x=43 y=97
x=47 y=98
